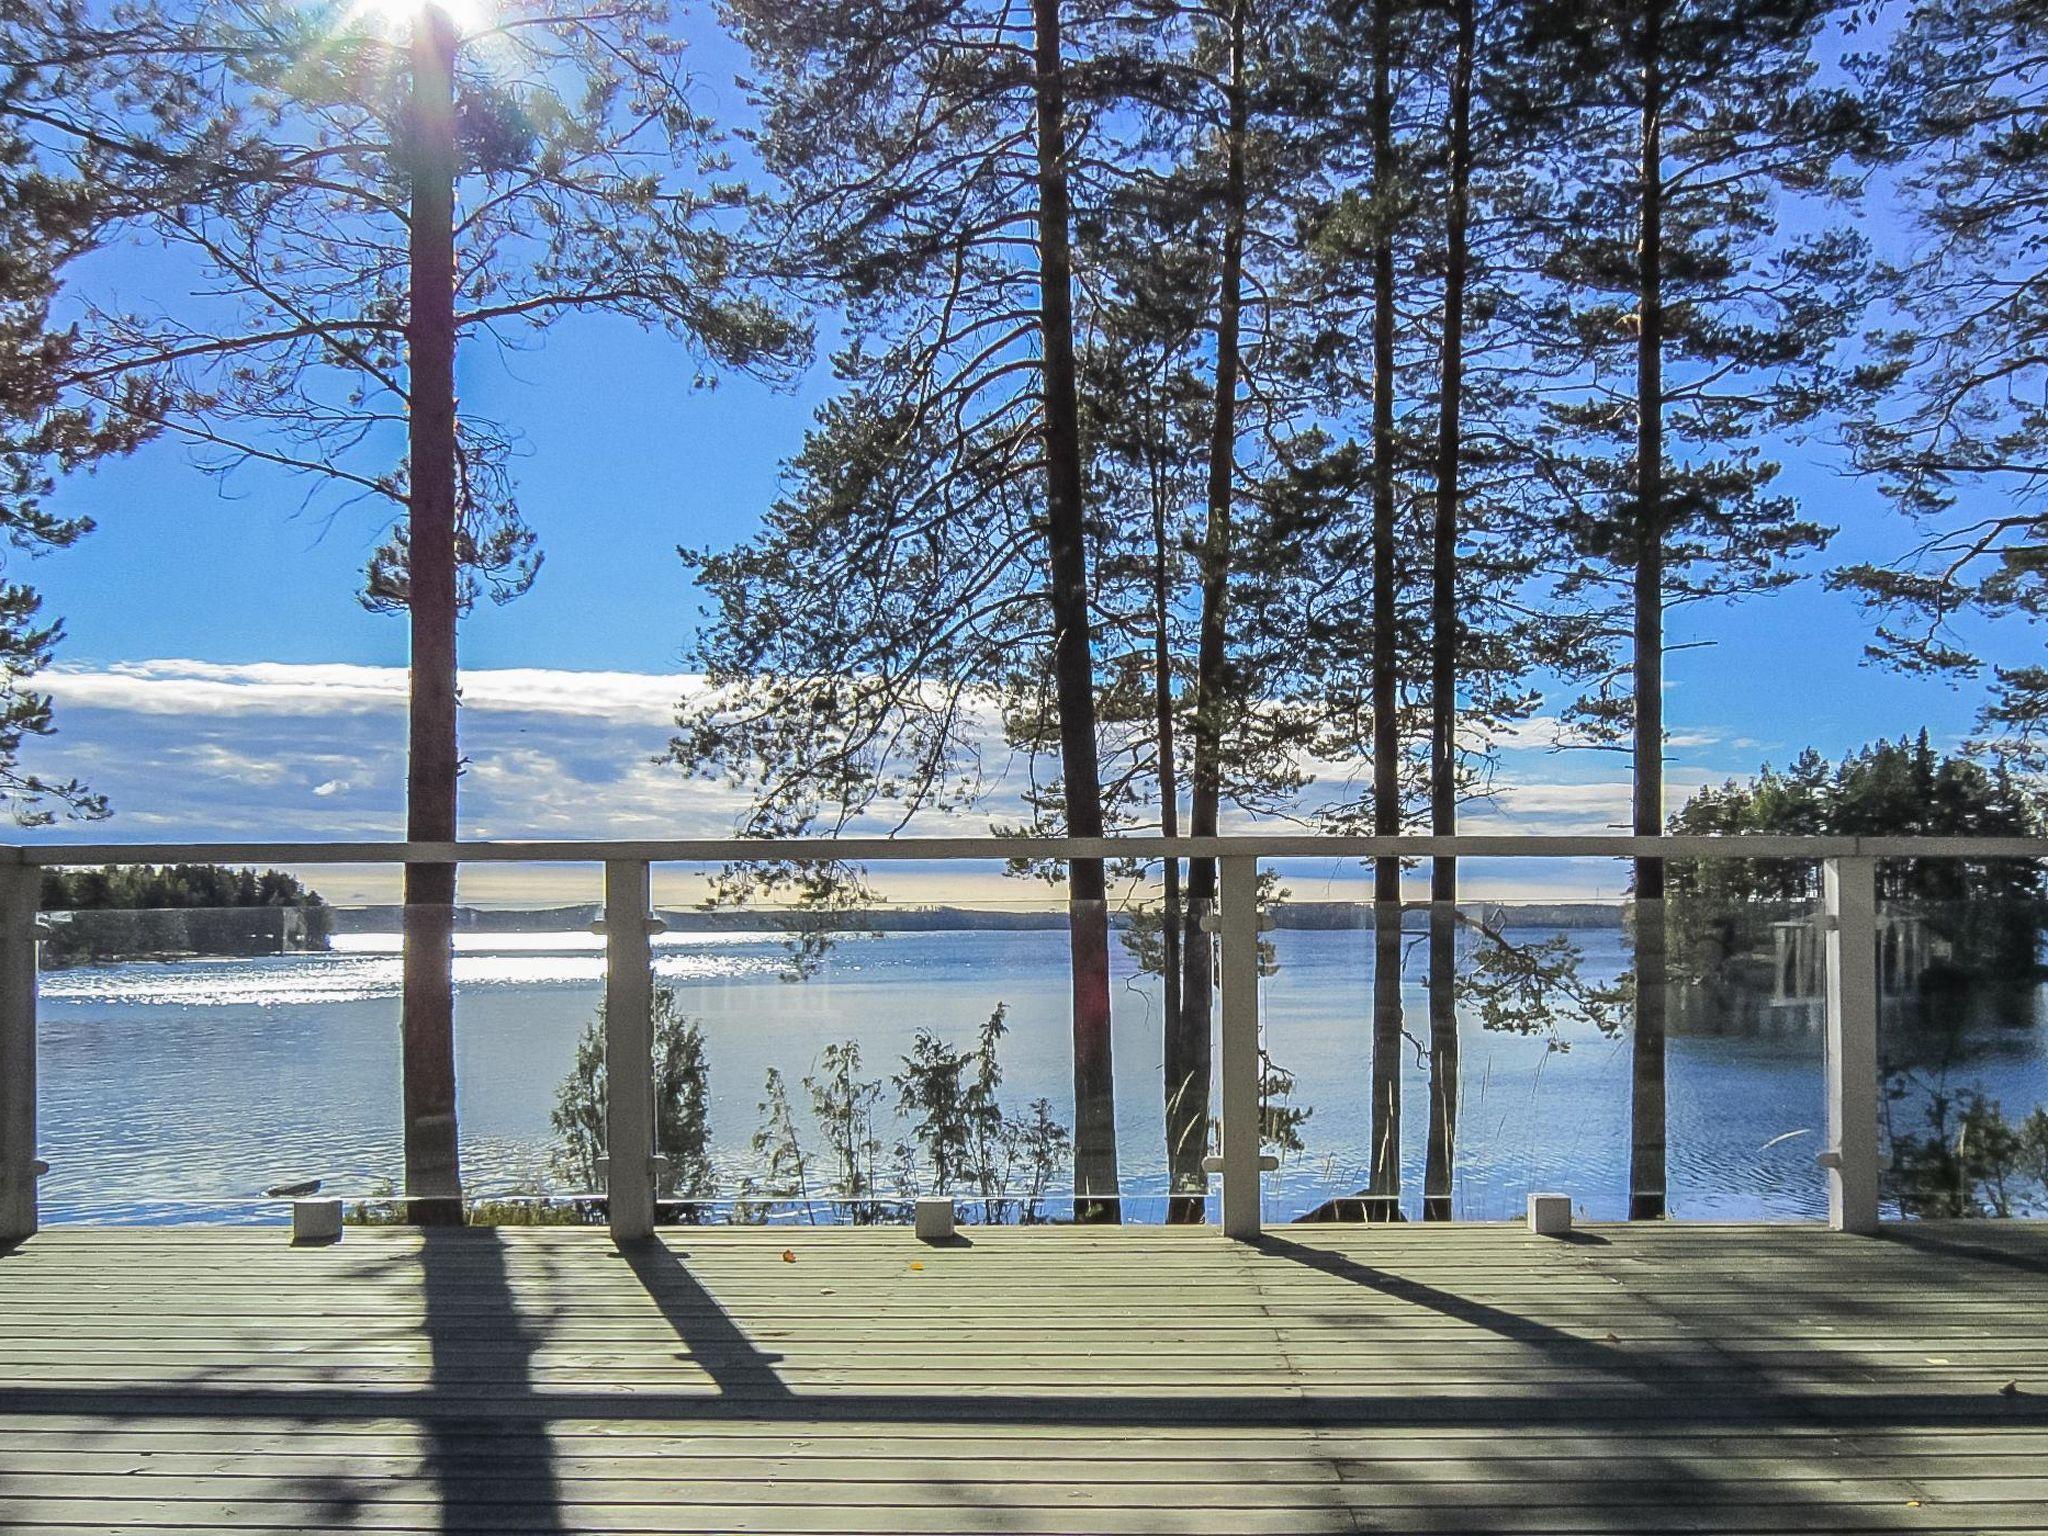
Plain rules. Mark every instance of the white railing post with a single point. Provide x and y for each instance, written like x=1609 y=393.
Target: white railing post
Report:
x=1849 y=902
x=20 y=895
x=1239 y=923
x=629 y=1048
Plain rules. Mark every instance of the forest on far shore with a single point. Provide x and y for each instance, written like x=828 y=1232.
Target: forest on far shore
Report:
x=160 y=912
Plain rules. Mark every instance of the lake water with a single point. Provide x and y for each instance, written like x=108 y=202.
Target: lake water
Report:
x=179 y=1091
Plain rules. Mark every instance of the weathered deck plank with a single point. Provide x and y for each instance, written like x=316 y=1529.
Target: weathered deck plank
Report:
x=1329 y=1379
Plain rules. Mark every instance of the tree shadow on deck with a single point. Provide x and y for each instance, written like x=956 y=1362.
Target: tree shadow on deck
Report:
x=487 y=1436
x=1597 y=1449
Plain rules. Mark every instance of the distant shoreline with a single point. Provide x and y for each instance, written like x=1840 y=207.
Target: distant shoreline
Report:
x=1296 y=916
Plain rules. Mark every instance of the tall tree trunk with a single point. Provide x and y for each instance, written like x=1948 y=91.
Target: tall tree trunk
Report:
x=1647 y=1119
x=433 y=1178
x=1095 y=1172
x=1440 y=1162
x=1188 y=1069
x=1385 y=1187
x=1183 y=1208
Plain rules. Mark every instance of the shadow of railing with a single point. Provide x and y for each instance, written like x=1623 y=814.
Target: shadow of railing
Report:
x=1983 y=1245
x=1448 y=1304
x=1769 y=1408
x=710 y=1337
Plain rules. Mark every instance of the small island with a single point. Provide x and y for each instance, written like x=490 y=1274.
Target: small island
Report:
x=176 y=911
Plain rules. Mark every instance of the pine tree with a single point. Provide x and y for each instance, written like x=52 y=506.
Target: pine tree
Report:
x=1690 y=325
x=64 y=196
x=1440 y=1154
x=935 y=545
x=1387 y=201
x=1144 y=401
x=1493 y=550
x=1214 y=312
x=1188 y=1058
x=1472 y=543
x=364 y=195
x=1954 y=423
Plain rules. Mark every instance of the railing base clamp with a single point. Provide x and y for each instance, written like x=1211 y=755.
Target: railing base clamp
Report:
x=1550 y=1215
x=934 y=1218
x=316 y=1221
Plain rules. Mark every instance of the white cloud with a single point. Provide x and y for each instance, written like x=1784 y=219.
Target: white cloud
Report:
x=193 y=751
x=212 y=758
x=622 y=697
x=1538 y=733
x=190 y=688
x=201 y=751
x=198 y=688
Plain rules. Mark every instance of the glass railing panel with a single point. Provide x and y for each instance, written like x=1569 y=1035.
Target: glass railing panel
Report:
x=1746 y=1055
x=1544 y=1062
x=1532 y=1098
x=1963 y=1041
x=202 y=1064
x=1538 y=1095
x=529 y=968
x=919 y=1042
x=1315 y=999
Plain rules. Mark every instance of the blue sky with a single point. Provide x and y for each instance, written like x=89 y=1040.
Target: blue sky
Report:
x=220 y=678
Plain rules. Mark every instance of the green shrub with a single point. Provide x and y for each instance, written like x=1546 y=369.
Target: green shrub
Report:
x=682 y=1127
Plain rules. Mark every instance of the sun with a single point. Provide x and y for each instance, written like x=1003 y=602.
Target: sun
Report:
x=397 y=16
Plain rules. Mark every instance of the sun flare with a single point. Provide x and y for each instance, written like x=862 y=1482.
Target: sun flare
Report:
x=397 y=16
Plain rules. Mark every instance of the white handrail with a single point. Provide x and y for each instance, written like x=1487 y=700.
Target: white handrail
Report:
x=732 y=850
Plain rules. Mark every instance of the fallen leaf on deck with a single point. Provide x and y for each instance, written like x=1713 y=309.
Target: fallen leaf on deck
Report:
x=917 y=1263
x=789 y=1255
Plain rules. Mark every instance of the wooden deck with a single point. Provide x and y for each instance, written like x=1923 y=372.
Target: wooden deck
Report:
x=1456 y=1379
